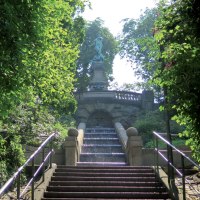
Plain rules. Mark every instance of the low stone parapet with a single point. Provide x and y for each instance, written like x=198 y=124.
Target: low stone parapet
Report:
x=112 y=95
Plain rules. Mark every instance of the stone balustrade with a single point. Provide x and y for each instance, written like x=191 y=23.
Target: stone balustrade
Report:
x=112 y=95
x=128 y=96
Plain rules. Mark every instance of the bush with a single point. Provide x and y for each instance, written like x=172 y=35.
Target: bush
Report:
x=27 y=125
x=11 y=156
x=177 y=142
x=154 y=121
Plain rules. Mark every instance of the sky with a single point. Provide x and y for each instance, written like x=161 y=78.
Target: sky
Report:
x=112 y=12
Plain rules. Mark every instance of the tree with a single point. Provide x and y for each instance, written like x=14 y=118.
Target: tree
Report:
x=110 y=48
x=177 y=33
x=138 y=45
x=39 y=46
x=38 y=50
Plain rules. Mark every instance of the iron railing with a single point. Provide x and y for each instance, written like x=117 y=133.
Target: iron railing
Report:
x=171 y=166
x=31 y=160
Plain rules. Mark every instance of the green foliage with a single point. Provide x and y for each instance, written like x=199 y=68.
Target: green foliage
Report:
x=11 y=155
x=149 y=122
x=154 y=121
x=39 y=46
x=178 y=36
x=138 y=45
x=87 y=52
x=176 y=141
x=3 y=171
x=170 y=59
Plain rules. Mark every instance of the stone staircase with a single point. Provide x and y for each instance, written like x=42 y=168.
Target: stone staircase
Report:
x=102 y=173
x=101 y=146
x=105 y=182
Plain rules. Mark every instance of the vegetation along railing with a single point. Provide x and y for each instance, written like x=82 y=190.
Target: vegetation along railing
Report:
x=46 y=157
x=172 y=169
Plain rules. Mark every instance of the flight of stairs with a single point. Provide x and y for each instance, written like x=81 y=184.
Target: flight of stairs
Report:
x=102 y=173
x=105 y=182
x=101 y=146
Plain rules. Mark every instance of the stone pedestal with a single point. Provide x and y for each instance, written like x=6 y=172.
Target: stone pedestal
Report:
x=71 y=147
x=99 y=81
x=134 y=147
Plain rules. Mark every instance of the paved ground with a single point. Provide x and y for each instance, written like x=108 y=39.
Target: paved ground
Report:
x=192 y=186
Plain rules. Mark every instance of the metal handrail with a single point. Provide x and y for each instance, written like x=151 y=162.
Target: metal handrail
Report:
x=16 y=175
x=170 y=163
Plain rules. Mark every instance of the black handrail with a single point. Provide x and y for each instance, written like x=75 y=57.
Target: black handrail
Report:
x=31 y=160
x=171 y=164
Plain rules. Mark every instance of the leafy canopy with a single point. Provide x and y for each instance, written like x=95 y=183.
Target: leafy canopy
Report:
x=39 y=46
x=177 y=33
x=138 y=46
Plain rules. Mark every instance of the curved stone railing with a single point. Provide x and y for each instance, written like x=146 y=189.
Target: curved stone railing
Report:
x=113 y=95
x=129 y=96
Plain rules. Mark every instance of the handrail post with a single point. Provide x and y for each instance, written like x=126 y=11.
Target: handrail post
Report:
x=183 y=176
x=43 y=167
x=32 y=184
x=168 y=166
x=18 y=186
x=50 y=158
x=156 y=139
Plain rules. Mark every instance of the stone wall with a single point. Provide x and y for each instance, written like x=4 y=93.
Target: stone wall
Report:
x=112 y=106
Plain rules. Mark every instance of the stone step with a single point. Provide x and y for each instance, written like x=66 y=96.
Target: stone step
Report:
x=96 y=198
x=91 y=148
x=106 y=183
x=102 y=157
x=100 y=130
x=100 y=164
x=105 y=189
x=100 y=135
x=102 y=170
x=99 y=141
x=112 y=195
x=102 y=174
x=123 y=179
x=104 y=167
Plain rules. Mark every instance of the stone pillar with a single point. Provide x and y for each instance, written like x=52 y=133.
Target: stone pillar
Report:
x=134 y=147
x=147 y=100
x=71 y=147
